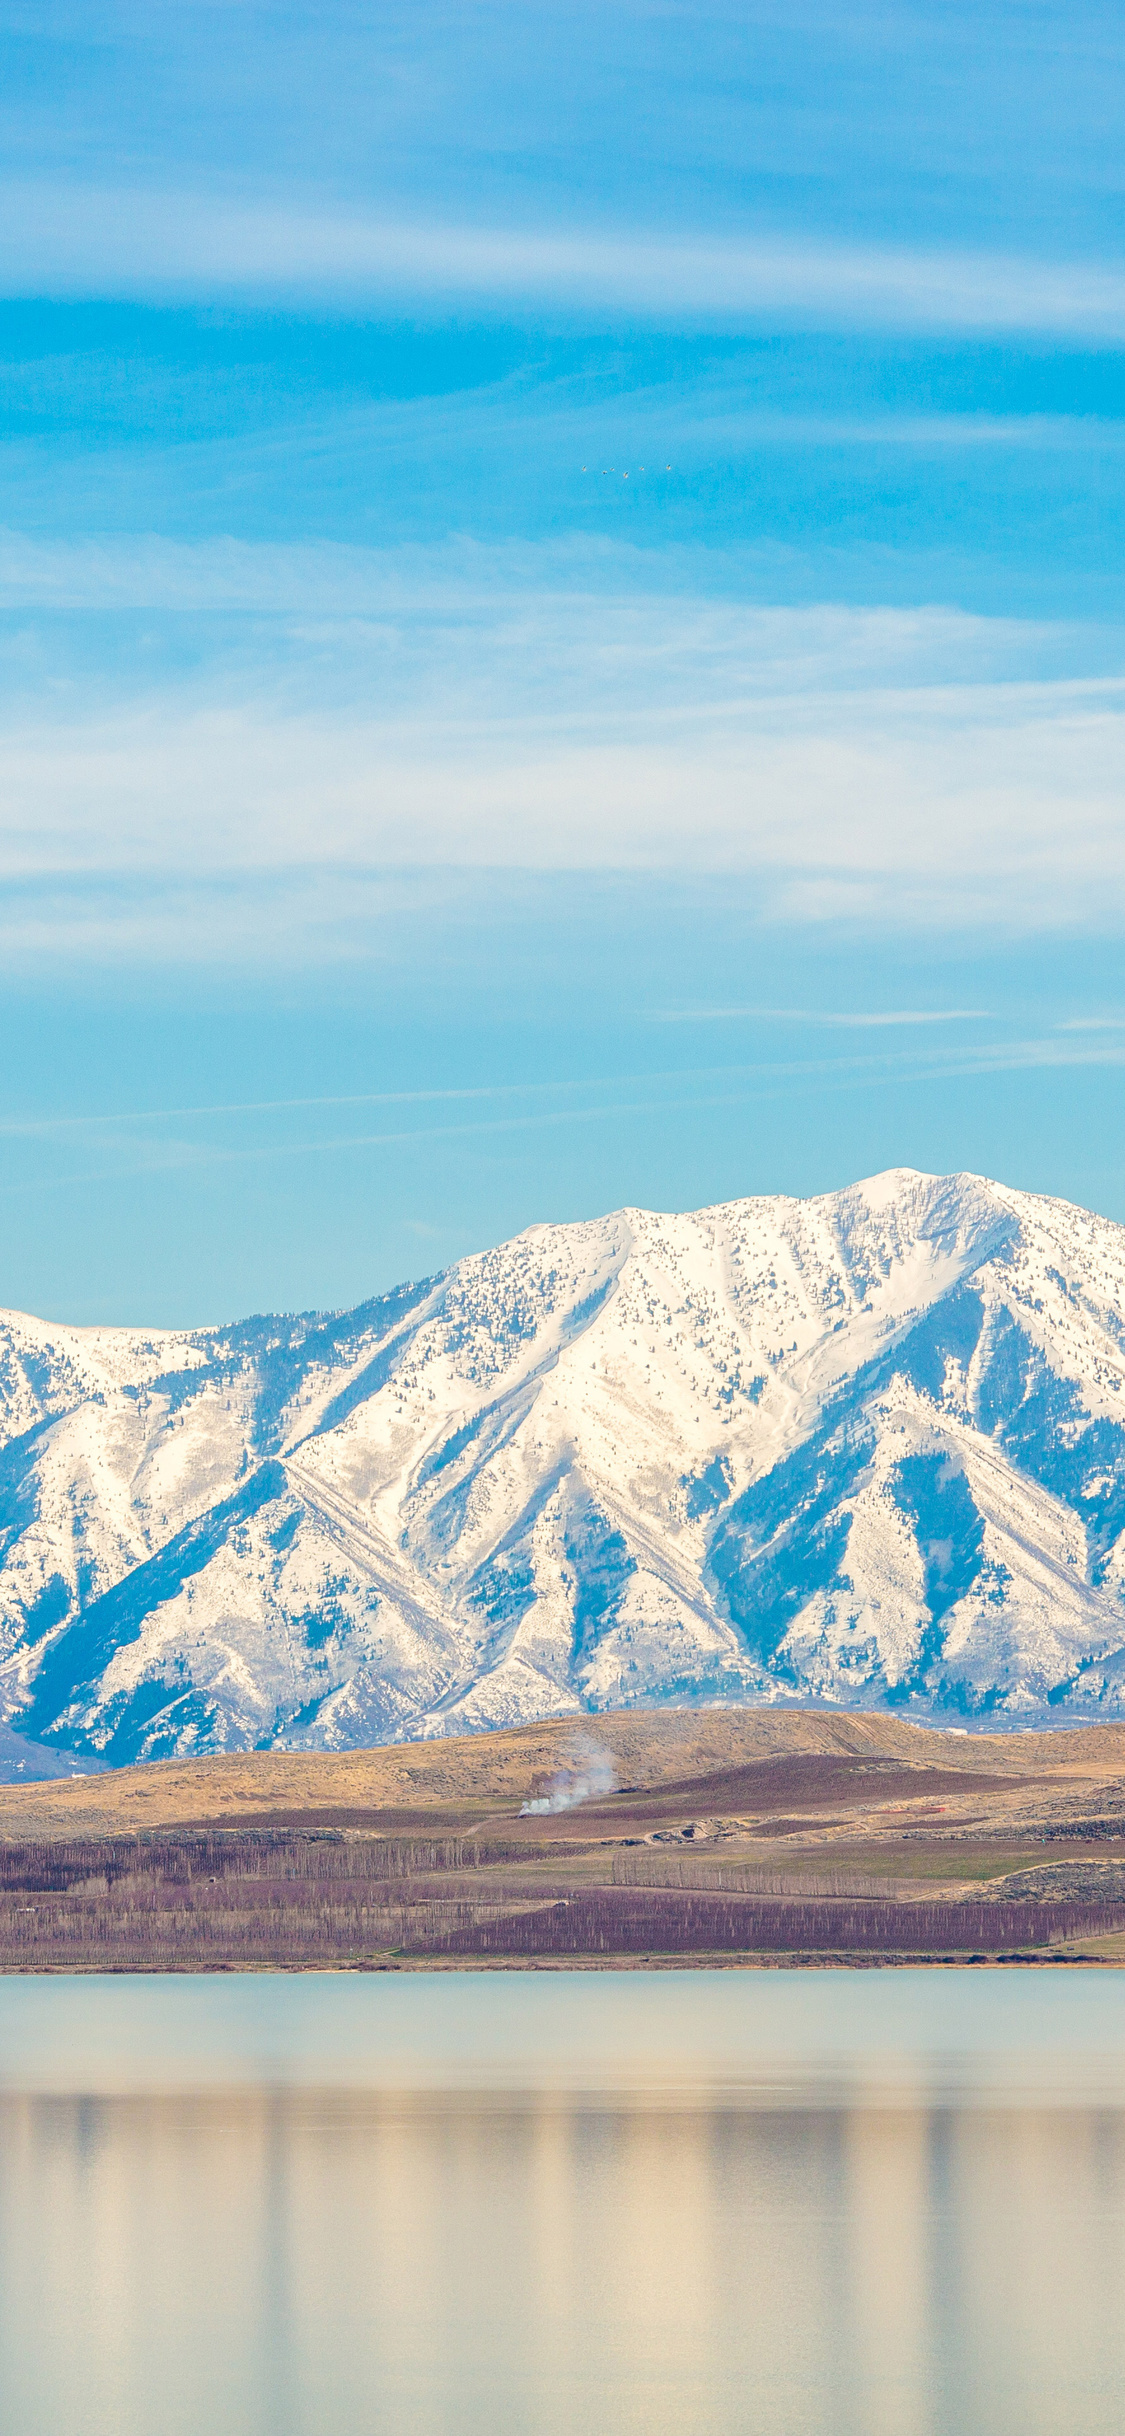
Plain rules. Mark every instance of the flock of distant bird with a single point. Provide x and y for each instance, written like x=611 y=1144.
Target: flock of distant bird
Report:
x=612 y=469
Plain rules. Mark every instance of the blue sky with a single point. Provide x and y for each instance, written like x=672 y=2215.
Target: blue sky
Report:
x=560 y=624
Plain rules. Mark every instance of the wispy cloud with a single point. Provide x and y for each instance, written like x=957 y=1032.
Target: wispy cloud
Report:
x=96 y=240
x=882 y=1019
x=133 y=1149
x=891 y=765
x=566 y=610
x=566 y=708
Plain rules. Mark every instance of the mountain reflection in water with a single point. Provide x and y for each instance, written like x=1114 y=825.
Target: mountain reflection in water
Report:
x=282 y=2259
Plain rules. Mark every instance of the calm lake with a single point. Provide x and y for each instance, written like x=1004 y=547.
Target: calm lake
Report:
x=747 y=2204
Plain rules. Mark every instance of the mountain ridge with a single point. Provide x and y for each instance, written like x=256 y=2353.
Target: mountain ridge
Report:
x=864 y=1450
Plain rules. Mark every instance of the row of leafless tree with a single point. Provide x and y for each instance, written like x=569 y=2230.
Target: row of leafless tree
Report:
x=209 y=1899
x=616 y=1921
x=697 y=1874
x=183 y=1859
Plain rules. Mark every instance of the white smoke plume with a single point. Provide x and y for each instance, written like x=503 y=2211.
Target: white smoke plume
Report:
x=592 y=1773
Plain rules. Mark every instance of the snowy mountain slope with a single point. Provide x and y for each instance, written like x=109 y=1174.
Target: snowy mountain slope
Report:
x=868 y=1449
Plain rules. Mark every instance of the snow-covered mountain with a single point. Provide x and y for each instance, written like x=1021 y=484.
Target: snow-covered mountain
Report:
x=865 y=1449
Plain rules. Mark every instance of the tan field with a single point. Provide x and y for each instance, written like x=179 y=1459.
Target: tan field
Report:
x=496 y=1772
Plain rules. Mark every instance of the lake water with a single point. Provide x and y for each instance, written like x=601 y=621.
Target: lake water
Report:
x=654 y=2204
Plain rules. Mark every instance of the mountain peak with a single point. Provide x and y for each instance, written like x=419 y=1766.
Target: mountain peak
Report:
x=865 y=1449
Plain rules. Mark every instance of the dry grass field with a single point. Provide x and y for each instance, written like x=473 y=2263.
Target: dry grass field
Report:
x=722 y=1837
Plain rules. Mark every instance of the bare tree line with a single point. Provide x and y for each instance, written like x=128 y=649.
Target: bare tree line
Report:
x=230 y=1898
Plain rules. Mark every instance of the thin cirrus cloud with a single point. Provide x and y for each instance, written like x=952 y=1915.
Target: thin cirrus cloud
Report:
x=96 y=1121
x=65 y=240
x=994 y=802
x=875 y=1020
x=526 y=708
x=571 y=621
x=498 y=710
x=132 y=1149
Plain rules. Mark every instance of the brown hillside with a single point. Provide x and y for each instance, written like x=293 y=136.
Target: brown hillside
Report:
x=710 y=1756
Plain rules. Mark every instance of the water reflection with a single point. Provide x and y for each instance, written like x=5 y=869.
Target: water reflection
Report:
x=298 y=2263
